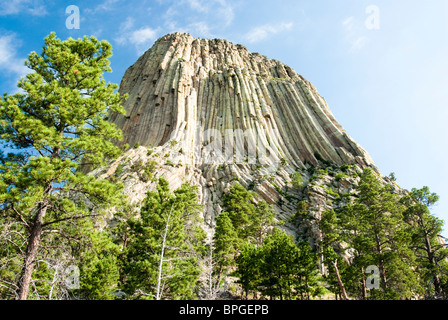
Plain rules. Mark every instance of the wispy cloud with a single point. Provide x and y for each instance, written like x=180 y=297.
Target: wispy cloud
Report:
x=198 y=5
x=213 y=15
x=260 y=33
x=226 y=12
x=348 y=23
x=107 y=5
x=140 y=38
x=10 y=63
x=33 y=7
x=354 y=34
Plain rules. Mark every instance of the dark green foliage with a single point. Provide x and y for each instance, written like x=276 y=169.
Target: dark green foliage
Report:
x=144 y=171
x=56 y=125
x=297 y=180
x=341 y=175
x=374 y=229
x=241 y=223
x=238 y=204
x=261 y=222
x=226 y=242
x=302 y=218
x=279 y=268
x=248 y=269
x=148 y=170
x=270 y=264
x=98 y=263
x=250 y=222
x=424 y=230
x=164 y=246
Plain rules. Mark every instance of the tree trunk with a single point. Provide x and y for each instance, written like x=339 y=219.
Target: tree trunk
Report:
x=431 y=257
x=31 y=253
x=34 y=239
x=340 y=283
x=363 y=286
x=159 y=277
x=381 y=267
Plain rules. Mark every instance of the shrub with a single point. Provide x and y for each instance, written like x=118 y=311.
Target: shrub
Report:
x=296 y=180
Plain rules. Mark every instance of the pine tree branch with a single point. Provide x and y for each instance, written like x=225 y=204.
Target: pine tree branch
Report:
x=139 y=291
x=62 y=234
x=69 y=218
x=20 y=216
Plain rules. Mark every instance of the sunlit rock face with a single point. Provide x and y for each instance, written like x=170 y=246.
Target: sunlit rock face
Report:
x=210 y=112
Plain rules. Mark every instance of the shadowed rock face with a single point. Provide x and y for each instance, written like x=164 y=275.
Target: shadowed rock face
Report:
x=211 y=113
x=190 y=90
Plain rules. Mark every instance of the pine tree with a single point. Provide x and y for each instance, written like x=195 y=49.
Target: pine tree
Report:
x=238 y=204
x=239 y=224
x=165 y=245
x=287 y=271
x=425 y=230
x=308 y=279
x=97 y=258
x=251 y=222
x=56 y=122
x=248 y=269
x=261 y=222
x=226 y=245
x=373 y=226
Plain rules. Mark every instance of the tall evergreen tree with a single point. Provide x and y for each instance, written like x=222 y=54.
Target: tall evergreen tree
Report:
x=248 y=269
x=240 y=223
x=57 y=121
x=287 y=271
x=261 y=222
x=164 y=246
x=226 y=244
x=425 y=232
x=332 y=252
x=373 y=226
x=238 y=204
x=97 y=257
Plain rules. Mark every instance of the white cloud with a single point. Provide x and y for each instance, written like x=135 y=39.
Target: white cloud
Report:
x=33 y=7
x=358 y=43
x=201 y=28
x=262 y=32
x=127 y=24
x=9 y=61
x=107 y=5
x=354 y=34
x=11 y=65
x=197 y=5
x=227 y=13
x=141 y=38
x=214 y=14
x=348 y=23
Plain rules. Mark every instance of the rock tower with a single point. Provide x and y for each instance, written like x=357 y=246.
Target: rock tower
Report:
x=212 y=113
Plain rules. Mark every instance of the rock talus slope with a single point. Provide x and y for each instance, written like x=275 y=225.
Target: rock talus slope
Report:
x=212 y=113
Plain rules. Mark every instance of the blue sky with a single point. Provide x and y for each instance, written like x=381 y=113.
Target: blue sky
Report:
x=383 y=71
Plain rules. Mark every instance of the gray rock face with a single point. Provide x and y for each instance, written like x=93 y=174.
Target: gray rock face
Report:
x=212 y=113
x=187 y=87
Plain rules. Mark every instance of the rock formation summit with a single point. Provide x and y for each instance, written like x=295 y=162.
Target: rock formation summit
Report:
x=210 y=112
x=184 y=86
